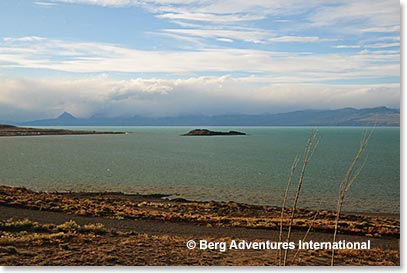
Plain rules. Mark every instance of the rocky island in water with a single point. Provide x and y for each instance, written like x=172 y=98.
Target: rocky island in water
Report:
x=10 y=130
x=205 y=132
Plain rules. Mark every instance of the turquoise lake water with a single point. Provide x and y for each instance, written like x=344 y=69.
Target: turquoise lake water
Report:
x=251 y=169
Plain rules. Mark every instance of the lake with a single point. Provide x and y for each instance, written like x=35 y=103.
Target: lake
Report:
x=250 y=169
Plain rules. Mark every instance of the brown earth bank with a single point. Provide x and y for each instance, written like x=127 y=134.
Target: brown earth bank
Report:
x=9 y=130
x=39 y=228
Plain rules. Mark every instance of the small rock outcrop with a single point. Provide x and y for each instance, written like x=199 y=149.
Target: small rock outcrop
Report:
x=205 y=132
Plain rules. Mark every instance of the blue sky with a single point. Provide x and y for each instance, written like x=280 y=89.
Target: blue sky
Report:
x=173 y=57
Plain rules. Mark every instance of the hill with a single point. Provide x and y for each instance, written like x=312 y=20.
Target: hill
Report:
x=379 y=116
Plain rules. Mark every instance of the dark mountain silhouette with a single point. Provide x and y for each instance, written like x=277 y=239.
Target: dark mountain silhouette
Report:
x=380 y=116
x=65 y=119
x=65 y=116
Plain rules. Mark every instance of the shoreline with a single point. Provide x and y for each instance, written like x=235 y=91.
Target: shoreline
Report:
x=117 y=205
x=14 y=131
x=39 y=228
x=167 y=197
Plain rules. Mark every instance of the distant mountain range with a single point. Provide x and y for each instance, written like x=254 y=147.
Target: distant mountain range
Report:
x=379 y=116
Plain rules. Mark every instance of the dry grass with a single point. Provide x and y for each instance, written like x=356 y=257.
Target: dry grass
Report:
x=310 y=148
x=76 y=247
x=290 y=178
x=350 y=177
x=216 y=214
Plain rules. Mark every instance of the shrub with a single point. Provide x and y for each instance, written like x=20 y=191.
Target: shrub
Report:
x=69 y=226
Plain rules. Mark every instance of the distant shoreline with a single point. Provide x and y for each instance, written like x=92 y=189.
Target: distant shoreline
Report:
x=10 y=131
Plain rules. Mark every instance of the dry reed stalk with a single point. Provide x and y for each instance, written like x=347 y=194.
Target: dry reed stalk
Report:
x=280 y=237
x=347 y=182
x=310 y=147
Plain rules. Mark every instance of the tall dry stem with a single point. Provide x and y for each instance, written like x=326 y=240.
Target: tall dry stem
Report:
x=350 y=177
x=280 y=237
x=310 y=147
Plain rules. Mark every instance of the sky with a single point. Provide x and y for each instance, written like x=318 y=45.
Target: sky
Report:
x=158 y=58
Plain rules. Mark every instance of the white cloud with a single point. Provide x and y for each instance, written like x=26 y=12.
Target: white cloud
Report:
x=395 y=28
x=243 y=34
x=321 y=12
x=209 y=17
x=361 y=15
x=106 y=96
x=104 y=3
x=302 y=39
x=185 y=24
x=383 y=45
x=225 y=40
x=388 y=38
x=338 y=16
x=23 y=39
x=347 y=46
x=45 y=4
x=97 y=57
x=209 y=6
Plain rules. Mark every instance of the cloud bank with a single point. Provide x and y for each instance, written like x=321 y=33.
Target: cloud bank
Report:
x=88 y=57
x=105 y=96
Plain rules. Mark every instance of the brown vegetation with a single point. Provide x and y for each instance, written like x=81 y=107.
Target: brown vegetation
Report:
x=31 y=243
x=222 y=214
